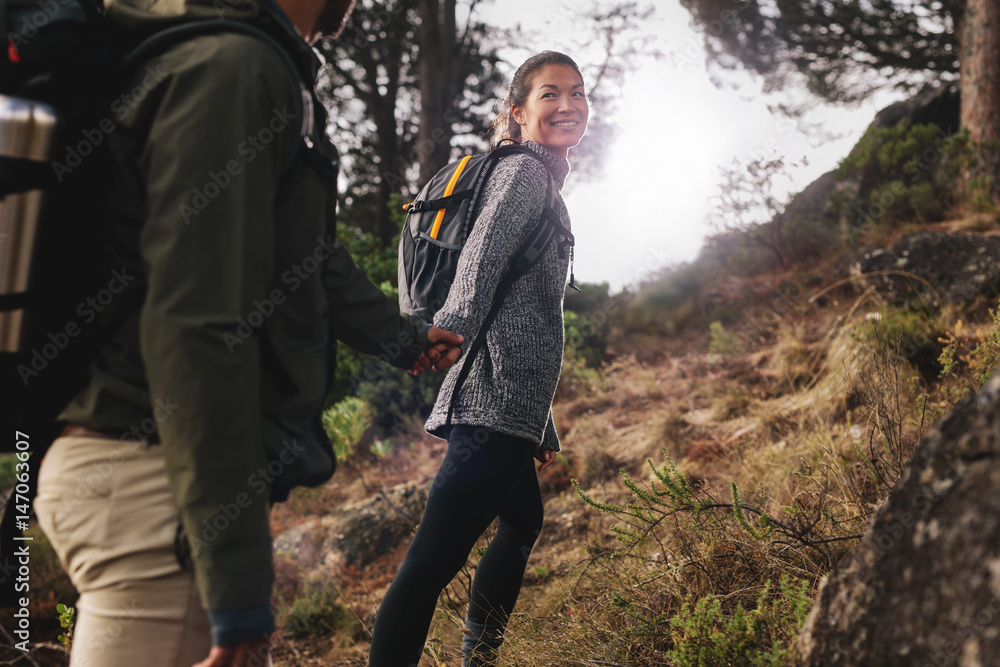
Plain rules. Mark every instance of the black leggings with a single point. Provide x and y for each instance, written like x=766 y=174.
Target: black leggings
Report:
x=484 y=475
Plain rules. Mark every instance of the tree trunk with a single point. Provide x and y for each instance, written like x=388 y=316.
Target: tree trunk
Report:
x=437 y=83
x=979 y=57
x=381 y=98
x=389 y=164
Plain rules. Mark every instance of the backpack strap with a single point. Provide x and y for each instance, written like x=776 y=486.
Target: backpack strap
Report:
x=526 y=257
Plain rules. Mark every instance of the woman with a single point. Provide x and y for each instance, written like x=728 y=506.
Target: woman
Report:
x=502 y=415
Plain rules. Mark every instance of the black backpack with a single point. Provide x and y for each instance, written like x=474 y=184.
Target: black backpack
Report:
x=61 y=296
x=438 y=223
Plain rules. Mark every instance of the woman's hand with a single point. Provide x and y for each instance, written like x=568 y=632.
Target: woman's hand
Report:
x=546 y=456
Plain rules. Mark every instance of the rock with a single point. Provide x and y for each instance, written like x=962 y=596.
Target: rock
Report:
x=956 y=268
x=939 y=106
x=923 y=586
x=355 y=534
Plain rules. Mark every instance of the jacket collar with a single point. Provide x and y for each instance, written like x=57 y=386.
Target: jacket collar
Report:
x=557 y=164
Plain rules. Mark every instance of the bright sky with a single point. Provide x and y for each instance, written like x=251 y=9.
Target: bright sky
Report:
x=649 y=209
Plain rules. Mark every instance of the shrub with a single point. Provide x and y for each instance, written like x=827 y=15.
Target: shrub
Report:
x=705 y=635
x=345 y=423
x=709 y=557
x=905 y=173
x=317 y=612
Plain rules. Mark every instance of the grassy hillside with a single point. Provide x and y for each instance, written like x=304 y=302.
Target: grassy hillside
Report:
x=728 y=429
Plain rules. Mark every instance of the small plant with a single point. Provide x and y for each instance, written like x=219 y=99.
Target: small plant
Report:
x=67 y=621
x=382 y=448
x=723 y=344
x=882 y=393
x=706 y=635
x=345 y=423
x=318 y=612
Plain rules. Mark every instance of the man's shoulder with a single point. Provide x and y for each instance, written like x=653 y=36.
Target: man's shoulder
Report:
x=231 y=55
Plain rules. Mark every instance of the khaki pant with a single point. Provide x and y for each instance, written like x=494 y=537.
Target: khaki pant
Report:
x=106 y=507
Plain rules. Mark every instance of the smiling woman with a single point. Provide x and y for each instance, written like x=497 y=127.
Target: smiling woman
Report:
x=556 y=110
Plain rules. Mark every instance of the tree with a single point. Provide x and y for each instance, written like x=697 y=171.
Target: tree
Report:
x=391 y=98
x=845 y=50
x=459 y=78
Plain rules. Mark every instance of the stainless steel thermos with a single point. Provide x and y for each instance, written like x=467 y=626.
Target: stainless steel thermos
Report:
x=27 y=131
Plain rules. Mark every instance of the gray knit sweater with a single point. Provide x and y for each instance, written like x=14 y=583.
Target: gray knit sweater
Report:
x=513 y=377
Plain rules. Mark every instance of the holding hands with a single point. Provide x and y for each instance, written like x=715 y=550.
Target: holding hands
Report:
x=442 y=353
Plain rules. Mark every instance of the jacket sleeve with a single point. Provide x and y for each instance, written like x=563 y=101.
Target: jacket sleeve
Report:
x=366 y=319
x=219 y=137
x=512 y=204
x=550 y=439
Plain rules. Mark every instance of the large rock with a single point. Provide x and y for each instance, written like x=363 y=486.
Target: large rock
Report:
x=923 y=587
x=355 y=534
x=948 y=267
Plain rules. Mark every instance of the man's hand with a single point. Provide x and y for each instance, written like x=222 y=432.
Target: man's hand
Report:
x=248 y=654
x=442 y=354
x=546 y=456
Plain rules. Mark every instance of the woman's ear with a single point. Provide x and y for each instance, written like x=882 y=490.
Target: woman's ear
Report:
x=518 y=114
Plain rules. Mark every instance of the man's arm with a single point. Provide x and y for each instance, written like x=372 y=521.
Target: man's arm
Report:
x=207 y=245
x=367 y=320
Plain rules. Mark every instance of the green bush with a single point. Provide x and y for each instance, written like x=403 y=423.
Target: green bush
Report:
x=722 y=344
x=584 y=338
x=345 y=423
x=706 y=635
x=906 y=173
x=317 y=612
x=391 y=393
x=8 y=465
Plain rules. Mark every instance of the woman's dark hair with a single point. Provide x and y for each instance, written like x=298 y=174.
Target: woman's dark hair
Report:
x=505 y=127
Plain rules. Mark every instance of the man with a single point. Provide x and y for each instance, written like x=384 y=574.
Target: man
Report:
x=204 y=408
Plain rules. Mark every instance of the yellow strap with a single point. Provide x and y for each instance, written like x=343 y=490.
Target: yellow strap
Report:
x=447 y=193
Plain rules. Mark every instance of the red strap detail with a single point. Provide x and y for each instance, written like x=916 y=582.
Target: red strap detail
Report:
x=12 y=53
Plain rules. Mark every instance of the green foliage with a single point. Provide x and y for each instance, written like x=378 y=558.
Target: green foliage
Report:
x=906 y=174
x=705 y=634
x=722 y=343
x=67 y=621
x=381 y=448
x=591 y=298
x=8 y=466
x=670 y=299
x=394 y=394
x=378 y=261
x=709 y=556
x=345 y=423
x=985 y=358
x=317 y=612
x=964 y=370
x=391 y=394
x=911 y=332
x=584 y=338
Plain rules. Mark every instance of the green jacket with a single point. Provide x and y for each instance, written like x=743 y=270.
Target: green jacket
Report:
x=231 y=223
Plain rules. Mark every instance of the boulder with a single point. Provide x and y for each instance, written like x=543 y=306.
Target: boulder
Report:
x=939 y=106
x=948 y=267
x=355 y=534
x=922 y=589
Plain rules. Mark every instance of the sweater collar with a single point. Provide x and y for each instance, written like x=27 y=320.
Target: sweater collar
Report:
x=557 y=164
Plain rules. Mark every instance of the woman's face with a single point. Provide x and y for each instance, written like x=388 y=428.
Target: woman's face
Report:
x=555 y=112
